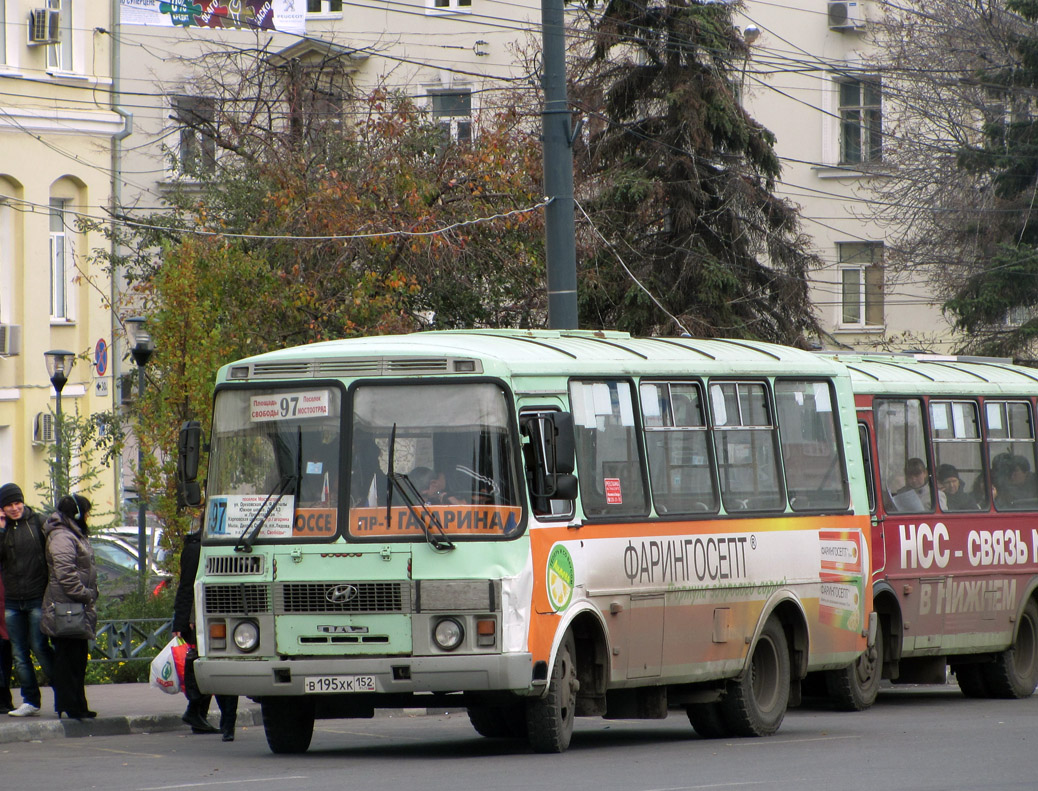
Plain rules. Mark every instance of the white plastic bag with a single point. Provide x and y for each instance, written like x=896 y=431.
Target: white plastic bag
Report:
x=164 y=674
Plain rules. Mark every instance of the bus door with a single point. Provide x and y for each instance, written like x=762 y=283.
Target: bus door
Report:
x=917 y=546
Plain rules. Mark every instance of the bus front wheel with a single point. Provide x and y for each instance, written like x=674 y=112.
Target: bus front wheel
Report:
x=756 y=702
x=549 y=720
x=855 y=688
x=288 y=724
x=499 y=722
x=1014 y=673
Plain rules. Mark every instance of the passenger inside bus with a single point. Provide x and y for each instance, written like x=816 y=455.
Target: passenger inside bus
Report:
x=952 y=495
x=1016 y=486
x=433 y=486
x=915 y=495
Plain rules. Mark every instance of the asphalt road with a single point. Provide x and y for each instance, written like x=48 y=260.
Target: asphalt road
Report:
x=918 y=738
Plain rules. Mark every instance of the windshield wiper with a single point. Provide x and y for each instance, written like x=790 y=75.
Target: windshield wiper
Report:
x=413 y=500
x=259 y=518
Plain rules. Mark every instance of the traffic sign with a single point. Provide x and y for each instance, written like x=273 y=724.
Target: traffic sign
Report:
x=101 y=357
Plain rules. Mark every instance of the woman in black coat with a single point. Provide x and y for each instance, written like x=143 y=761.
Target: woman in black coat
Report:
x=72 y=579
x=184 y=626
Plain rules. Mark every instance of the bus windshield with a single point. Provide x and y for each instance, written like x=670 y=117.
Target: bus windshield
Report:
x=436 y=457
x=274 y=469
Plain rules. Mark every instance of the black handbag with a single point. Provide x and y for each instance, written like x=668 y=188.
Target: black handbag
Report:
x=70 y=619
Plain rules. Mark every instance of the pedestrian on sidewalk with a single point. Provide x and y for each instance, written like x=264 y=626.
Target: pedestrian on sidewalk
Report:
x=184 y=626
x=6 y=703
x=72 y=579
x=23 y=565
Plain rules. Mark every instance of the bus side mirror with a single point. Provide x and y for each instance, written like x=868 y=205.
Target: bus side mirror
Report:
x=189 y=493
x=564 y=442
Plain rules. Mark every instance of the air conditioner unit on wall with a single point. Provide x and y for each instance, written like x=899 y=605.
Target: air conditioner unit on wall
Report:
x=10 y=340
x=43 y=26
x=846 y=15
x=43 y=429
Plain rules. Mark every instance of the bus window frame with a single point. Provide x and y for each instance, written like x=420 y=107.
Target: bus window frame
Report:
x=700 y=385
x=838 y=439
x=924 y=400
x=525 y=508
x=987 y=440
x=639 y=444
x=782 y=507
x=345 y=408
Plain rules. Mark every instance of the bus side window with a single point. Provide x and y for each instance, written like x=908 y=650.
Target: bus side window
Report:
x=811 y=448
x=1011 y=448
x=677 y=445
x=746 y=446
x=904 y=473
x=609 y=465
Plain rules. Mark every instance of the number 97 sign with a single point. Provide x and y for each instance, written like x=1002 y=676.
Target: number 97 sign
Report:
x=289 y=406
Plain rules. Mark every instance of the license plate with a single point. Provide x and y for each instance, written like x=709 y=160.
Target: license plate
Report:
x=316 y=685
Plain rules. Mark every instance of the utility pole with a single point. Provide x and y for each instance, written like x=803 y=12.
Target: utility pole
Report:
x=557 y=139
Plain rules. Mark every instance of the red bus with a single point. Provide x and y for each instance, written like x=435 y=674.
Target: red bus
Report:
x=950 y=454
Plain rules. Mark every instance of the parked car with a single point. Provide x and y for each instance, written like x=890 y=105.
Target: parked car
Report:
x=117 y=568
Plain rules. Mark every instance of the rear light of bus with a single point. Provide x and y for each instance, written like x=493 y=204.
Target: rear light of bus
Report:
x=218 y=634
x=448 y=634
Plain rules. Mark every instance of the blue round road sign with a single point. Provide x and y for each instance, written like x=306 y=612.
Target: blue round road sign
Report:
x=101 y=357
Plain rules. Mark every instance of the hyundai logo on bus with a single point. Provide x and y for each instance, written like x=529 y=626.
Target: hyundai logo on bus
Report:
x=341 y=594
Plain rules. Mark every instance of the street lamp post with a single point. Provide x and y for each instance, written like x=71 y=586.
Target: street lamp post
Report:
x=59 y=364
x=141 y=349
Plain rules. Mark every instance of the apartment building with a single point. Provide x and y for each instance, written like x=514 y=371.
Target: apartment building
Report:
x=806 y=80
x=57 y=127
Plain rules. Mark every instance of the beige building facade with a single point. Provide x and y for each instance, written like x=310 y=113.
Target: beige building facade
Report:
x=805 y=80
x=56 y=132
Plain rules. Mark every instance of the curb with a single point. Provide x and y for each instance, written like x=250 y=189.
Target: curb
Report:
x=34 y=730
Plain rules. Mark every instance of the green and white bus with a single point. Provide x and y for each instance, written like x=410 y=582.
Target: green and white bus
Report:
x=532 y=525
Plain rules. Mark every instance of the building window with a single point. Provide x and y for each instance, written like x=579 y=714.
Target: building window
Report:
x=861 y=121
x=59 y=56
x=324 y=6
x=453 y=111
x=449 y=6
x=861 y=277
x=59 y=259
x=196 y=116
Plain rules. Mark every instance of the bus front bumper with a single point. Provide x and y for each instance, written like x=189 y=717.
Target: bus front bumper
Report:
x=256 y=678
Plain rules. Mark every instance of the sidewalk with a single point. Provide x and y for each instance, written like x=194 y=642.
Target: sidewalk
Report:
x=121 y=709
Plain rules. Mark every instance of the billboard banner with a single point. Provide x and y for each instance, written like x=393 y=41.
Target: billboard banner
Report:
x=287 y=16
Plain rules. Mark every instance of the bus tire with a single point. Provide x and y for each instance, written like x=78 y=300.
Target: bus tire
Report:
x=499 y=722
x=756 y=702
x=288 y=723
x=854 y=688
x=1014 y=673
x=706 y=720
x=972 y=680
x=549 y=720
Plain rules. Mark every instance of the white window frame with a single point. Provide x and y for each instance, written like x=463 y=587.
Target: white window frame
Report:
x=60 y=257
x=60 y=56
x=441 y=7
x=861 y=268
x=328 y=11
x=868 y=121
x=198 y=139
x=461 y=128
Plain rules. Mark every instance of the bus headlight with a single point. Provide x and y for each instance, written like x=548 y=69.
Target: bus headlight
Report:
x=246 y=636
x=448 y=634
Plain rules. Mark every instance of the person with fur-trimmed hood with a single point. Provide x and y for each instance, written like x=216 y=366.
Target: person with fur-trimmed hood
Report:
x=73 y=579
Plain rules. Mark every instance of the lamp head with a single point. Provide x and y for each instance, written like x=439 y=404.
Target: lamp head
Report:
x=59 y=364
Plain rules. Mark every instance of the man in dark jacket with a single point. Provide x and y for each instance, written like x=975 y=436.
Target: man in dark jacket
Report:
x=184 y=626
x=23 y=563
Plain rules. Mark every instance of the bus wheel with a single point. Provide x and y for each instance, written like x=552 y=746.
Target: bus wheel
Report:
x=756 y=702
x=707 y=721
x=499 y=722
x=288 y=724
x=549 y=720
x=1014 y=673
x=855 y=687
x=972 y=680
